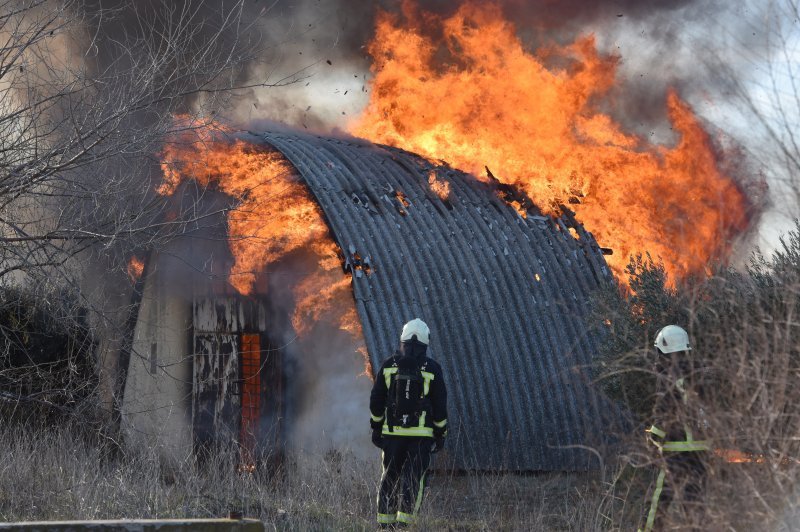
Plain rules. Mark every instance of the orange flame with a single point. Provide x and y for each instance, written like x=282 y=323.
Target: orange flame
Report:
x=465 y=89
x=319 y=292
x=440 y=188
x=735 y=456
x=326 y=295
x=135 y=268
x=274 y=216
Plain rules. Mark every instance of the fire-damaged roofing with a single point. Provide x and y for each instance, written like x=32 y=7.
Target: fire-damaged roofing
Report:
x=505 y=297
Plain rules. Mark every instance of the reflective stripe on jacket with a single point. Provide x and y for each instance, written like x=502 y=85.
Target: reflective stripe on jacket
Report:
x=432 y=421
x=688 y=445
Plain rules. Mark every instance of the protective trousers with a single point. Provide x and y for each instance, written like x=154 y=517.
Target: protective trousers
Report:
x=405 y=463
x=681 y=477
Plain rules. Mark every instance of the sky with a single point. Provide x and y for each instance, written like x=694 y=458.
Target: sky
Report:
x=735 y=66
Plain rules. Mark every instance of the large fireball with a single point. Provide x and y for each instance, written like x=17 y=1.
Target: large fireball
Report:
x=464 y=89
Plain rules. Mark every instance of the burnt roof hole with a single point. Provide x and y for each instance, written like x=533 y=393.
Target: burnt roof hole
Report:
x=355 y=264
x=402 y=199
x=363 y=200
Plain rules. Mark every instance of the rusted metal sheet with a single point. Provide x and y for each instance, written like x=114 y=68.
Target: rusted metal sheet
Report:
x=251 y=397
x=216 y=404
x=237 y=388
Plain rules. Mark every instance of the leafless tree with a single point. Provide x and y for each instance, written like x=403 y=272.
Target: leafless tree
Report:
x=89 y=91
x=83 y=111
x=760 y=70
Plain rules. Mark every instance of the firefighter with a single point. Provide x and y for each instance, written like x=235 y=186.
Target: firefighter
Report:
x=408 y=407
x=682 y=456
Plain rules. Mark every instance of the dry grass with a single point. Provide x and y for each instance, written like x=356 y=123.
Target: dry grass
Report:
x=743 y=383
x=60 y=473
x=744 y=371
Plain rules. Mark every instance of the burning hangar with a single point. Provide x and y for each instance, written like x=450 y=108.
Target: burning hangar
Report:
x=503 y=288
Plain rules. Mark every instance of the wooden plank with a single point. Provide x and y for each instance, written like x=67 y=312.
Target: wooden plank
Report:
x=251 y=398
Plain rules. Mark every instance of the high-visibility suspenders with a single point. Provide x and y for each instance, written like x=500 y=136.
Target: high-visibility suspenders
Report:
x=656 y=435
x=420 y=430
x=651 y=515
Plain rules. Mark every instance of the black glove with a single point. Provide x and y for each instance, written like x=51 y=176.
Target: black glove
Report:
x=377 y=438
x=438 y=444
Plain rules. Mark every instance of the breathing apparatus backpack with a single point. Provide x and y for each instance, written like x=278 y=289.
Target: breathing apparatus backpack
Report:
x=406 y=395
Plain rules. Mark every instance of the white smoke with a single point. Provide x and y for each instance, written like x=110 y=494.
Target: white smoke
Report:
x=327 y=390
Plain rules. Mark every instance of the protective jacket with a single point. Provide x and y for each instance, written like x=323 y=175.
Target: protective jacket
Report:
x=433 y=420
x=407 y=449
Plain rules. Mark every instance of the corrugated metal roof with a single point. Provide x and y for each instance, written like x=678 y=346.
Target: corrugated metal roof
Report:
x=505 y=297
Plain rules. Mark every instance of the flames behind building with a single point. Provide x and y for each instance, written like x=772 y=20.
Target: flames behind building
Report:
x=503 y=288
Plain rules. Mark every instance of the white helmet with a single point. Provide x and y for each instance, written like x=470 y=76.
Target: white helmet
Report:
x=415 y=328
x=672 y=339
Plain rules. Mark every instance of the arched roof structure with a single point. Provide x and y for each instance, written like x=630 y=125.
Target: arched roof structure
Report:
x=505 y=296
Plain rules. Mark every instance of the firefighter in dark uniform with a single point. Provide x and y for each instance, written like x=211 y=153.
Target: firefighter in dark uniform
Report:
x=677 y=419
x=408 y=405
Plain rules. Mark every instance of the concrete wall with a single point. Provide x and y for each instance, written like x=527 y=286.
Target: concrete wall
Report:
x=156 y=409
